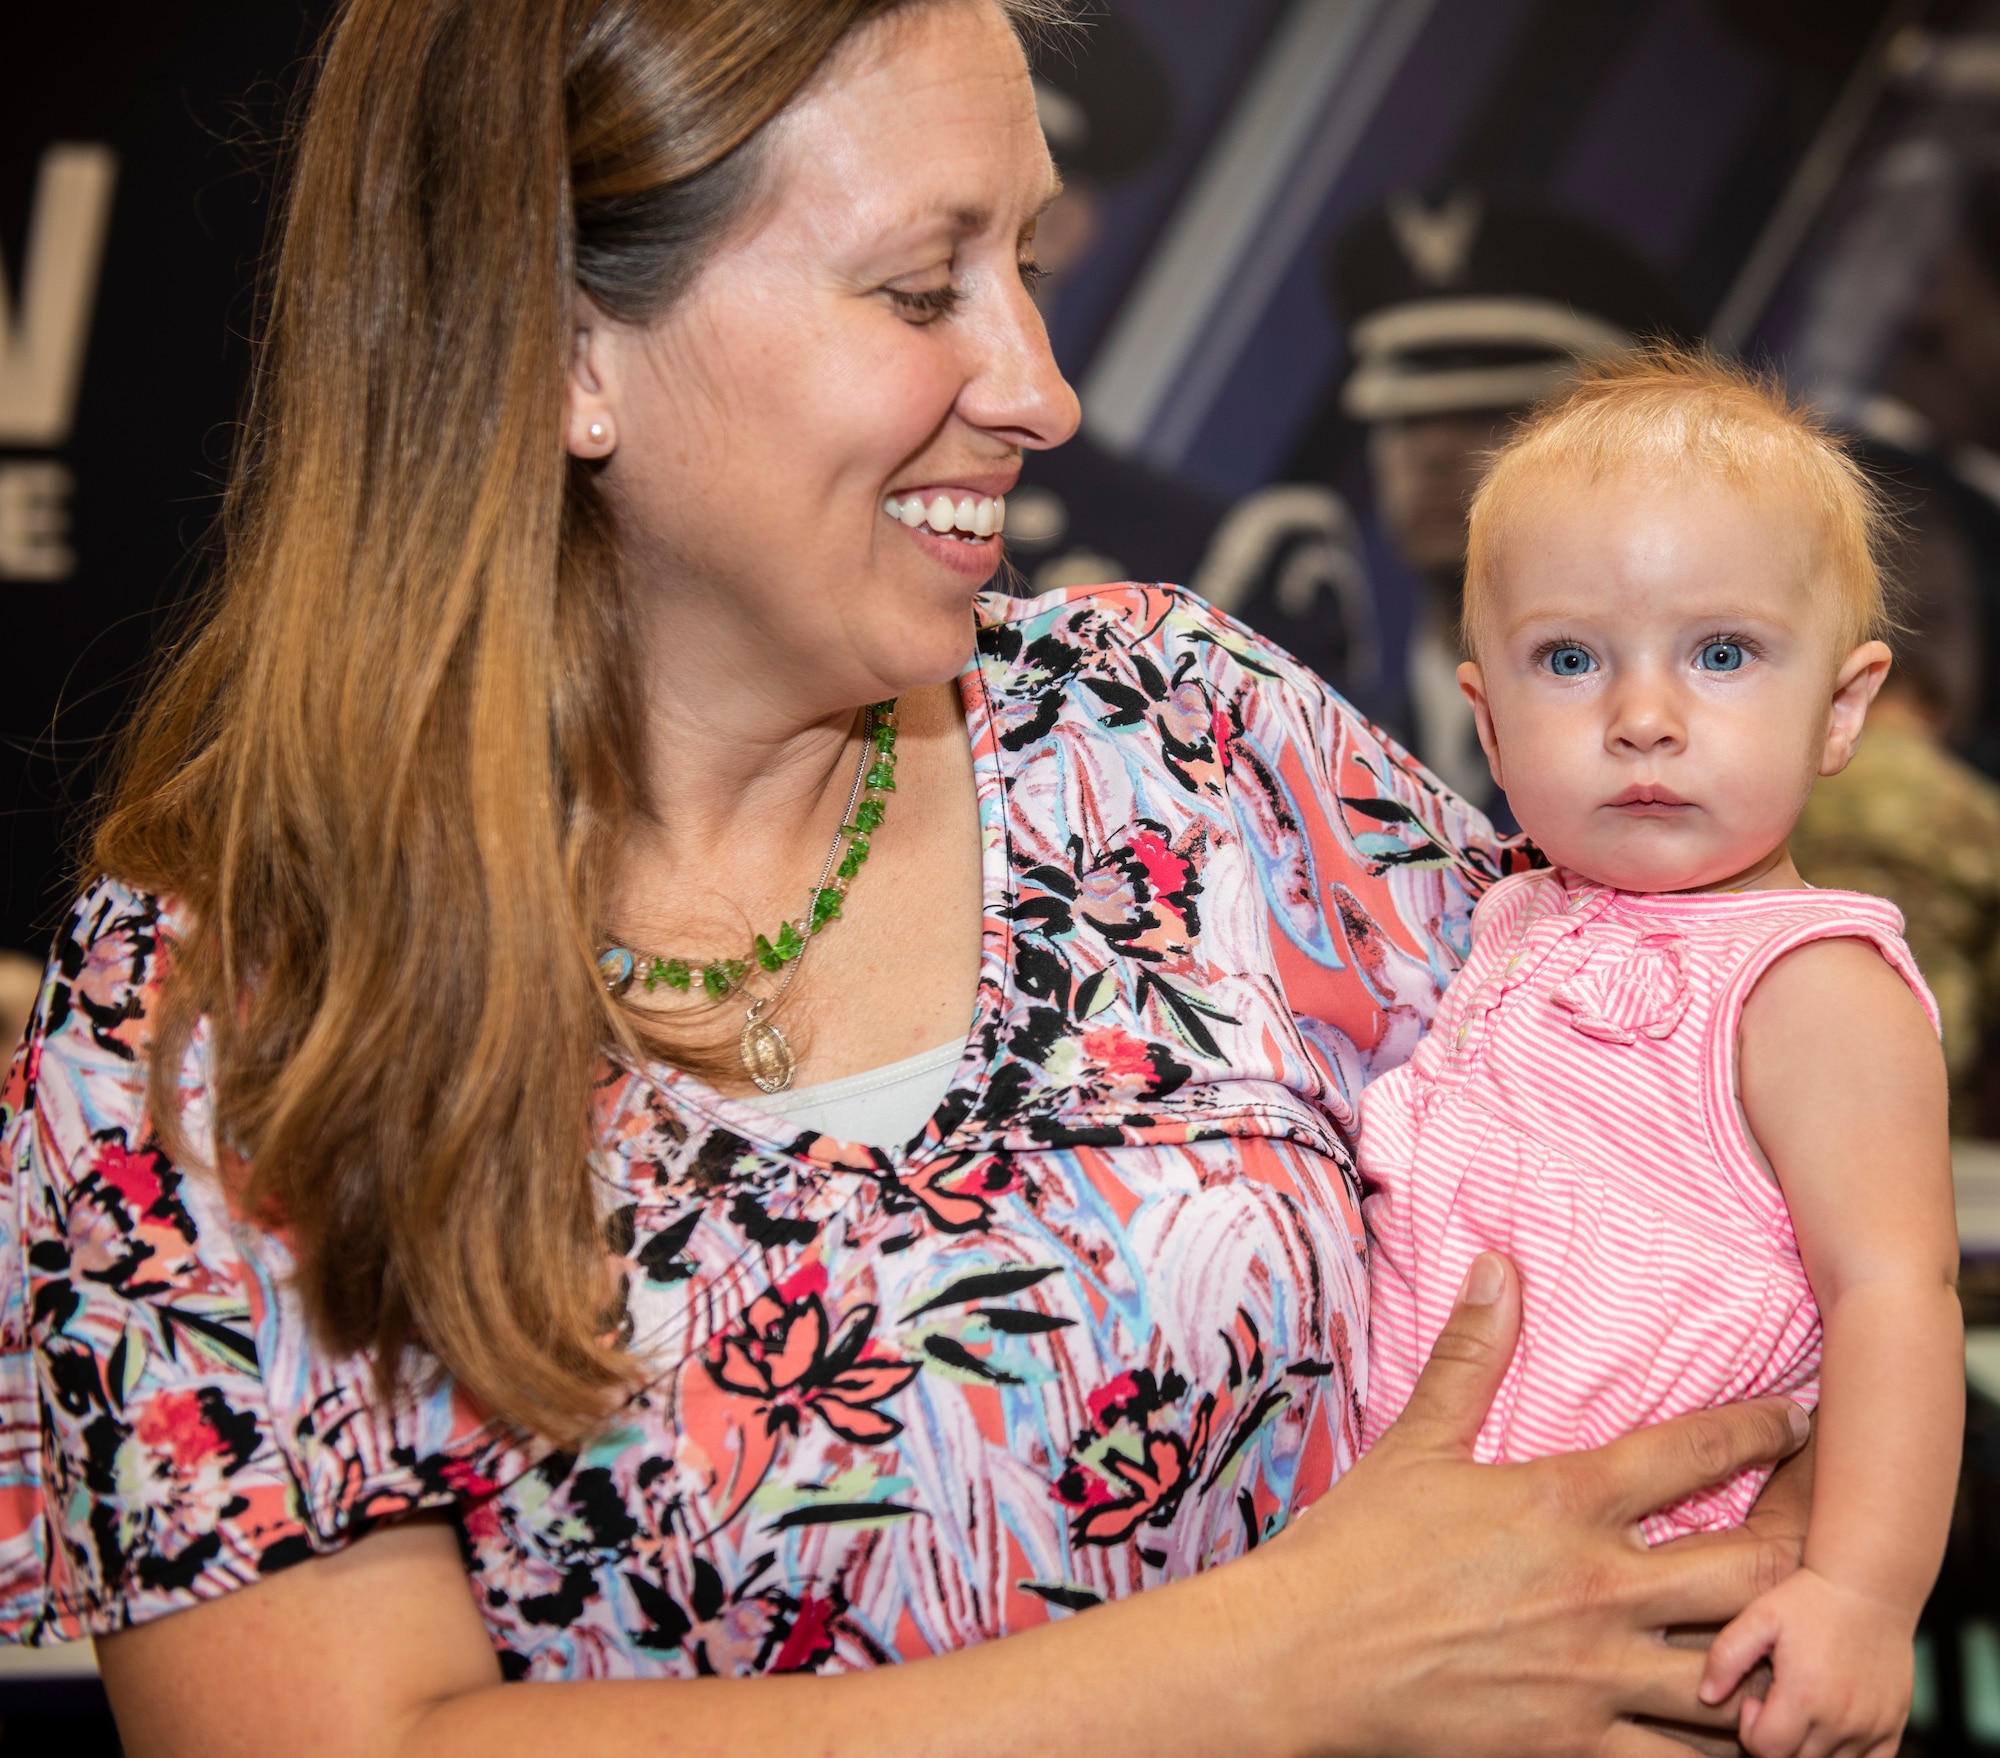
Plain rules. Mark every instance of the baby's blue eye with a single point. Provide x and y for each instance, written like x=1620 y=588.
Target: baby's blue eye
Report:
x=1721 y=656
x=1571 y=662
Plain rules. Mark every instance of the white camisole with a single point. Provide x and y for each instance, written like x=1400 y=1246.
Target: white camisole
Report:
x=882 y=1108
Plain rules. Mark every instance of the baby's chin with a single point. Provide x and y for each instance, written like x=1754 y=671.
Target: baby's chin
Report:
x=1654 y=866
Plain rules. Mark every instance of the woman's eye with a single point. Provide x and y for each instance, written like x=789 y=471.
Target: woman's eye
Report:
x=1721 y=656
x=928 y=306
x=1570 y=662
x=1032 y=274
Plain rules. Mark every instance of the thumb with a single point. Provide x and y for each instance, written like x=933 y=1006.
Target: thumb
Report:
x=1468 y=1361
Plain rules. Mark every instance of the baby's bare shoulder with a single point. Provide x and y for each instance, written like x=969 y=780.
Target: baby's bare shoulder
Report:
x=1840 y=991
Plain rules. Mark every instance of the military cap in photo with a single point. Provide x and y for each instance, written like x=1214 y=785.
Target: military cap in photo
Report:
x=1103 y=99
x=1463 y=304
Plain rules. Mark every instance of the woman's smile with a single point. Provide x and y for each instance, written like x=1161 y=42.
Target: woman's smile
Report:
x=953 y=526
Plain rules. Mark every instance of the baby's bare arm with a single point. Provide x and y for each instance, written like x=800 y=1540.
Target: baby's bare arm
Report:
x=1843 y=1084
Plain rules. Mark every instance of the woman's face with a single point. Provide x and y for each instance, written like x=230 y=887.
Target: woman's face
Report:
x=864 y=337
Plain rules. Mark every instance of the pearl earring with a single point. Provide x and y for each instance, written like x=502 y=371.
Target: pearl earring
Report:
x=597 y=431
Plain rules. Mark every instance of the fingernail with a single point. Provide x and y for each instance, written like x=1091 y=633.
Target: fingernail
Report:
x=1800 y=1421
x=1483 y=1285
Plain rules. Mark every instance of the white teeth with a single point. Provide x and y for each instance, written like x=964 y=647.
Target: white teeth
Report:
x=973 y=515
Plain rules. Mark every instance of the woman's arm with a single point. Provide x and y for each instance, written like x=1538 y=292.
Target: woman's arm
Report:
x=1428 y=1605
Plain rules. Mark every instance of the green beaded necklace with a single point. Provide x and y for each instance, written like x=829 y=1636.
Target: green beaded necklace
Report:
x=767 y=1057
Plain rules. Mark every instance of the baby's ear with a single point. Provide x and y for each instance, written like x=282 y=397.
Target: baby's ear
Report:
x=1473 y=682
x=1854 y=686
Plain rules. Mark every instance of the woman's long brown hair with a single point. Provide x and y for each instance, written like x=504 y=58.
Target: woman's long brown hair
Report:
x=385 y=778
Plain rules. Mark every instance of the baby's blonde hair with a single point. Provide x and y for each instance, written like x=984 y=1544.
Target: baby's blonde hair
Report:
x=1665 y=410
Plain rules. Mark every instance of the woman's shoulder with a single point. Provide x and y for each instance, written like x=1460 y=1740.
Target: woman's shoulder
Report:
x=91 y=1021
x=1157 y=621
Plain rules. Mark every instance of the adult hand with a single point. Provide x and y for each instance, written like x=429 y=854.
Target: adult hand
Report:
x=1470 y=1609
x=1428 y=1605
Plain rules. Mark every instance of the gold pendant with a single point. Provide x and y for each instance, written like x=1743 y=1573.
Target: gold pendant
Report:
x=767 y=1058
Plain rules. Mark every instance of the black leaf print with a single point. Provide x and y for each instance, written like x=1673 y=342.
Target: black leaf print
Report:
x=708 y=1591
x=1001 y=641
x=1187 y=1013
x=179 y=1572
x=1246 y=1508
x=1253 y=1419
x=657 y=1256
x=1128 y=706
x=1051 y=879
x=715 y=1162
x=1383 y=811
x=1041 y=973
x=620 y=1231
x=1089 y=990
x=955 y=1354
x=986 y=1285
x=769 y=1230
x=565 y=1605
x=74 y=1379
x=1037 y=726
x=55 y=1305
x=1063 y=1594
x=837 y=1513
x=1039 y=1034
x=663 y=1612
x=284 y=1554
x=1052 y=914
x=231 y=1343
x=594 y=1499
x=1022 y=1324
x=1249 y=662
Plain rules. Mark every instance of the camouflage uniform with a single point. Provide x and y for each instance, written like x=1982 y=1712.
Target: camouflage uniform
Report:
x=1909 y=821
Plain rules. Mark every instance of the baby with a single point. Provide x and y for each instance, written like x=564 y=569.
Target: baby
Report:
x=1700 y=1104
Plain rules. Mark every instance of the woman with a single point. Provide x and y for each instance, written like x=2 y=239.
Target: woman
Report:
x=415 y=1161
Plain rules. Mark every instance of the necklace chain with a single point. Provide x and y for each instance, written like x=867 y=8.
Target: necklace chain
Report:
x=767 y=1057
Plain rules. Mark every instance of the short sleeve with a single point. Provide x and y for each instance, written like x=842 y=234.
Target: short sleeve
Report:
x=147 y=1462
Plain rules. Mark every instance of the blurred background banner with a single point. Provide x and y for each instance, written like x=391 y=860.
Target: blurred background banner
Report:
x=1250 y=183
x=1312 y=257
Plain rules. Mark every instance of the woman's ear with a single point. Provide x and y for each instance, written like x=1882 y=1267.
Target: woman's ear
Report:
x=1473 y=682
x=592 y=431
x=1854 y=686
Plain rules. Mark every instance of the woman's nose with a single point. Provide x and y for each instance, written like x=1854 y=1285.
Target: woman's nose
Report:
x=1016 y=391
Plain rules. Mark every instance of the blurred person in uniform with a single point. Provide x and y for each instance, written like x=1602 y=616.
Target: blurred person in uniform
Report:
x=1460 y=313
x=1938 y=402
x=1909 y=819
x=1083 y=514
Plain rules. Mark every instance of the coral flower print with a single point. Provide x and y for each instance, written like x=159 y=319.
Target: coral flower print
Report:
x=1123 y=1472
x=1087 y=1333
x=784 y=1362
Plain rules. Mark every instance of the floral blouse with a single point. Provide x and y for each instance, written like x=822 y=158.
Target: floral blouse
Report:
x=1099 y=1326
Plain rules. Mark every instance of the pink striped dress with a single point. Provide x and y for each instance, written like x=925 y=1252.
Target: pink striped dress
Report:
x=1575 y=1107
